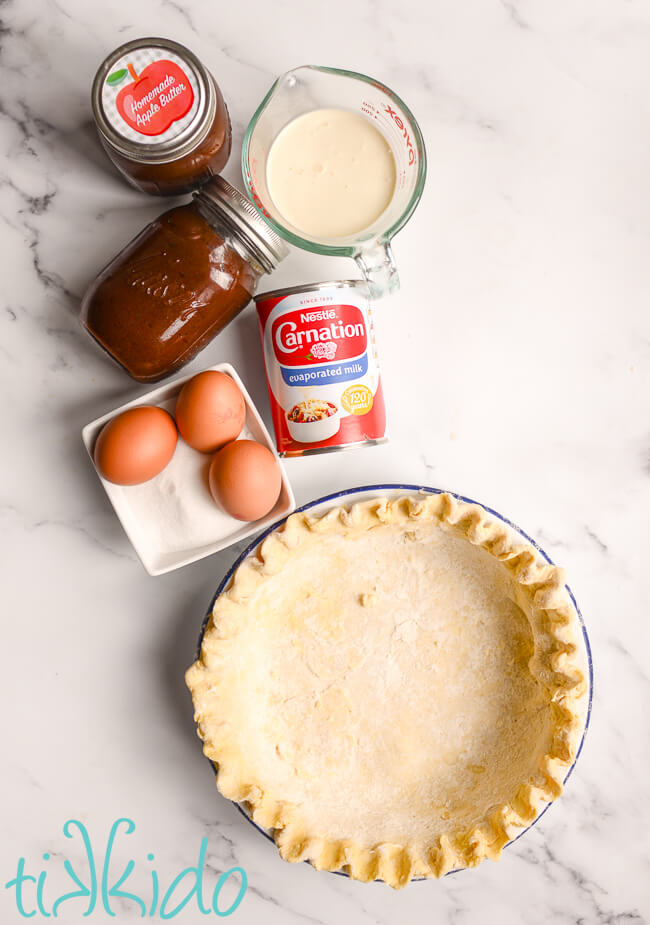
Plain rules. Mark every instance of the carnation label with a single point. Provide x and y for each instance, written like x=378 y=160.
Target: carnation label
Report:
x=150 y=95
x=321 y=367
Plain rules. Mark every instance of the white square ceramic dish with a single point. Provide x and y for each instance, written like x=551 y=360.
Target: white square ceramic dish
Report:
x=172 y=520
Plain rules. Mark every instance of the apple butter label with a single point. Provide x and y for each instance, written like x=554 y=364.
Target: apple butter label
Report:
x=150 y=95
x=321 y=368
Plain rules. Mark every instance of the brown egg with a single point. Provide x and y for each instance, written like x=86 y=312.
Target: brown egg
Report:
x=136 y=445
x=245 y=479
x=210 y=411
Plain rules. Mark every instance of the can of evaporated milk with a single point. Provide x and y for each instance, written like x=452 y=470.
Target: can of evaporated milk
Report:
x=321 y=367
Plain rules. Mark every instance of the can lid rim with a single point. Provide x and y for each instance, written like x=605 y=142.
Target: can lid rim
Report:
x=308 y=287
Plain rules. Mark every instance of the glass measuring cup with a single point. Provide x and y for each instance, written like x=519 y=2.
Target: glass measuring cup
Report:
x=304 y=89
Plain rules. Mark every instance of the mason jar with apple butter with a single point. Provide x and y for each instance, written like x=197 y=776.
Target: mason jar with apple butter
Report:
x=176 y=285
x=161 y=117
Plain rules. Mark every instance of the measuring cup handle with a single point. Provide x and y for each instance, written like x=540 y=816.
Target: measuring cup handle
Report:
x=378 y=267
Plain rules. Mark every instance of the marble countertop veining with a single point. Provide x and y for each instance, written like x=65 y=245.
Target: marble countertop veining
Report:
x=516 y=365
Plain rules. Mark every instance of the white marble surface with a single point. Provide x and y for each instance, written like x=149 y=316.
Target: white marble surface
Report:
x=516 y=369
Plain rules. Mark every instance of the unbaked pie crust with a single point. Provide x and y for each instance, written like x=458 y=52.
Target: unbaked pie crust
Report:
x=393 y=689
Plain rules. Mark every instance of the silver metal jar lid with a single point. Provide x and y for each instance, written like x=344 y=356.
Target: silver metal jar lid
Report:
x=239 y=213
x=185 y=135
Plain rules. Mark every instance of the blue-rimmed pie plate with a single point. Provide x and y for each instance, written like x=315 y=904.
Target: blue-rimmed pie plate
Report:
x=463 y=704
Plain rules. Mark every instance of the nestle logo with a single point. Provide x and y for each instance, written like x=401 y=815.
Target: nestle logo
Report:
x=324 y=315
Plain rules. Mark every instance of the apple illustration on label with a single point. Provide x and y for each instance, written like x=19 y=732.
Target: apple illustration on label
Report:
x=159 y=96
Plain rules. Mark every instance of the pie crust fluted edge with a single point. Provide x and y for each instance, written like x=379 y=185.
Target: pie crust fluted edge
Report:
x=557 y=667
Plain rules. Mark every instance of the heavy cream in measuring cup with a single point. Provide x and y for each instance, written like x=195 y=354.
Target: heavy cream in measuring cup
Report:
x=330 y=173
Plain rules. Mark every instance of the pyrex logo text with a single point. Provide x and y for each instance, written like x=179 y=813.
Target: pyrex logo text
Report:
x=407 y=138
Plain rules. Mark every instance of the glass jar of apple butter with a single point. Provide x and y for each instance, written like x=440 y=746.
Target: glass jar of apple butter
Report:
x=161 y=116
x=180 y=282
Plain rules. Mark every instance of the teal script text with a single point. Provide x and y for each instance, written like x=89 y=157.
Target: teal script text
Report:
x=101 y=888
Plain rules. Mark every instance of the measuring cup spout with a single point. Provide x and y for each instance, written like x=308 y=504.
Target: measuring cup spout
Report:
x=378 y=267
